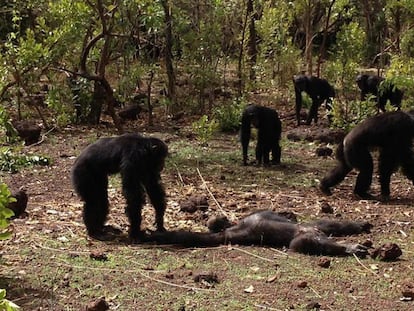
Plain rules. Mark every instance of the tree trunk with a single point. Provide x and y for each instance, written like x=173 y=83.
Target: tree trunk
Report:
x=308 y=35
x=168 y=56
x=252 y=43
x=240 y=60
x=322 y=48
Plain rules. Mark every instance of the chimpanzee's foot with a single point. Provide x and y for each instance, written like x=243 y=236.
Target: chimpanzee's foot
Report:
x=364 y=196
x=325 y=190
x=136 y=236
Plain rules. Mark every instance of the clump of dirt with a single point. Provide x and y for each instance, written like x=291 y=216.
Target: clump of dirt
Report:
x=194 y=203
x=324 y=262
x=323 y=151
x=98 y=305
x=386 y=252
x=407 y=289
x=326 y=208
x=98 y=255
x=323 y=135
x=207 y=278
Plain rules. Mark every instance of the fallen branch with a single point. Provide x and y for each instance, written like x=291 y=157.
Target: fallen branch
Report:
x=211 y=194
x=43 y=138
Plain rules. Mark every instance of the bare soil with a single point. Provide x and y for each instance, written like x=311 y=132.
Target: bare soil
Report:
x=51 y=264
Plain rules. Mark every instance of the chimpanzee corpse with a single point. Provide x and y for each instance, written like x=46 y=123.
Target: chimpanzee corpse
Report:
x=270 y=229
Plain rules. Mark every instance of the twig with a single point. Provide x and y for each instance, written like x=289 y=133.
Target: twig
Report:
x=211 y=194
x=266 y=307
x=364 y=266
x=140 y=272
x=179 y=174
x=43 y=138
x=280 y=252
x=251 y=254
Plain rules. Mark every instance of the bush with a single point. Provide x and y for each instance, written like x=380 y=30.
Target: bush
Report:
x=5 y=214
x=228 y=116
x=11 y=162
x=353 y=112
x=204 y=129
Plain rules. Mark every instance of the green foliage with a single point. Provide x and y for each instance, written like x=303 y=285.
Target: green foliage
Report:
x=407 y=43
x=5 y=213
x=7 y=305
x=351 y=113
x=205 y=129
x=400 y=73
x=348 y=56
x=57 y=99
x=228 y=115
x=5 y=123
x=12 y=163
x=278 y=53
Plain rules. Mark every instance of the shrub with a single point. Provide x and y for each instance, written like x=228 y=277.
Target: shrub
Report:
x=205 y=129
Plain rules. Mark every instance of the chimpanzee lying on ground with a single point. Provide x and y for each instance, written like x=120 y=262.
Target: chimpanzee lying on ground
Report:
x=392 y=134
x=369 y=84
x=319 y=90
x=271 y=229
x=269 y=127
x=140 y=161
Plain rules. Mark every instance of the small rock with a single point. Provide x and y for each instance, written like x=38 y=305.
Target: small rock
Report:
x=407 y=289
x=209 y=277
x=194 y=204
x=98 y=255
x=326 y=208
x=324 y=152
x=324 y=262
x=302 y=284
x=313 y=306
x=98 y=305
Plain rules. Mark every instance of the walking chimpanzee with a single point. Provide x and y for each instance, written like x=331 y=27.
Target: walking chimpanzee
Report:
x=319 y=90
x=269 y=130
x=369 y=84
x=140 y=161
x=392 y=134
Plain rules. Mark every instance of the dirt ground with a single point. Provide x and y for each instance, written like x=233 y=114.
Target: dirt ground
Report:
x=51 y=264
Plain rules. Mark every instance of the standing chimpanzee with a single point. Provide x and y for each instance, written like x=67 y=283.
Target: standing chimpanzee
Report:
x=140 y=161
x=269 y=130
x=369 y=84
x=271 y=229
x=319 y=90
x=391 y=133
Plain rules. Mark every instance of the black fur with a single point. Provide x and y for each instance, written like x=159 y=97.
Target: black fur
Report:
x=269 y=228
x=269 y=127
x=391 y=133
x=369 y=84
x=319 y=90
x=139 y=160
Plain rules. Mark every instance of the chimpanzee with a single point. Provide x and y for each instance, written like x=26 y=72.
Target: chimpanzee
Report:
x=392 y=134
x=369 y=84
x=139 y=160
x=319 y=90
x=271 y=229
x=269 y=130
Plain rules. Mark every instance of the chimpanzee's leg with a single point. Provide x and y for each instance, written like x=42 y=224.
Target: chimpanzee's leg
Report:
x=157 y=195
